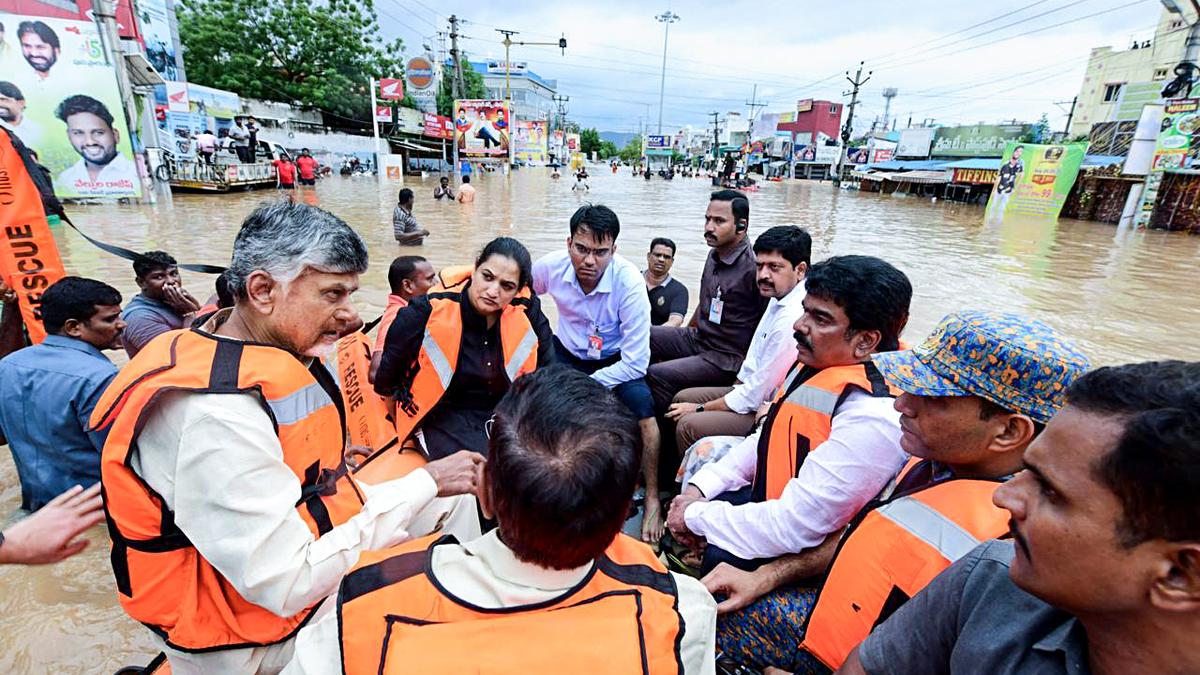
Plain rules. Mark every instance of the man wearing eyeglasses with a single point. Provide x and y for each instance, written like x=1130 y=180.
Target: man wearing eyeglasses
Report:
x=668 y=297
x=604 y=327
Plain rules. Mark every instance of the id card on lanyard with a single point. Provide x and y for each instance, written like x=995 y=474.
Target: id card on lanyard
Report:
x=716 y=308
x=595 y=343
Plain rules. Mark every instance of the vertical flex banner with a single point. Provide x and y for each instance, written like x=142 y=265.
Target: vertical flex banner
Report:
x=529 y=140
x=71 y=113
x=1034 y=180
x=1181 y=119
x=482 y=128
x=29 y=260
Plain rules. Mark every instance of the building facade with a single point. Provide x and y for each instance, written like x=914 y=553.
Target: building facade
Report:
x=815 y=118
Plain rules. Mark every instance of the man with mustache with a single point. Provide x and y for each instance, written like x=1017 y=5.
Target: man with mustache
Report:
x=831 y=440
x=39 y=46
x=975 y=394
x=781 y=255
x=101 y=168
x=1103 y=572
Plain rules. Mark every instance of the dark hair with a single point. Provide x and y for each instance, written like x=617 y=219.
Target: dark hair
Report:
x=82 y=103
x=563 y=463
x=739 y=203
x=224 y=292
x=466 y=178
x=663 y=241
x=46 y=33
x=152 y=261
x=402 y=268
x=75 y=298
x=514 y=250
x=1154 y=469
x=598 y=219
x=789 y=241
x=874 y=295
x=10 y=90
x=405 y=196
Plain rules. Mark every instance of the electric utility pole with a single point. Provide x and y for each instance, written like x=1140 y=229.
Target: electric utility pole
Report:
x=848 y=128
x=753 y=104
x=716 y=138
x=456 y=89
x=1070 y=113
x=666 y=18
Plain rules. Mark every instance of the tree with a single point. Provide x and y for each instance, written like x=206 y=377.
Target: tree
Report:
x=472 y=83
x=315 y=54
x=608 y=149
x=589 y=141
x=632 y=151
x=1038 y=132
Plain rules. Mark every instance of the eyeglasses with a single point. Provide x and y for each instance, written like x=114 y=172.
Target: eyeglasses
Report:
x=584 y=251
x=487 y=427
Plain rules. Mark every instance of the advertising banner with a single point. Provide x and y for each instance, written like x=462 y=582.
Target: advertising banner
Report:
x=573 y=143
x=421 y=76
x=71 y=113
x=438 y=126
x=530 y=140
x=816 y=154
x=914 y=143
x=206 y=101
x=1034 y=180
x=155 y=20
x=383 y=113
x=391 y=88
x=496 y=67
x=974 y=176
x=481 y=127
x=1181 y=120
x=981 y=140
x=177 y=97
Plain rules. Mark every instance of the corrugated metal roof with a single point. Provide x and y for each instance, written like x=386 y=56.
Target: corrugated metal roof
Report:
x=908 y=164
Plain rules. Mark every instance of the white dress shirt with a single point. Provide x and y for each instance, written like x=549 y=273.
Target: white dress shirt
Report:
x=218 y=465
x=836 y=480
x=772 y=352
x=617 y=309
x=118 y=177
x=486 y=573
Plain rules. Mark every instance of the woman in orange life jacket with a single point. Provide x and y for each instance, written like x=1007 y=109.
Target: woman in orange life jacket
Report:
x=451 y=355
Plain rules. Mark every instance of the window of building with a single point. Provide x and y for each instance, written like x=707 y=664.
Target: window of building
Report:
x=1176 y=23
x=1160 y=74
x=1112 y=92
x=833 y=110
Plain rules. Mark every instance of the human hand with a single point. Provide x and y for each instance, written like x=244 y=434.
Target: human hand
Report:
x=675 y=521
x=355 y=452
x=739 y=587
x=677 y=410
x=7 y=294
x=457 y=474
x=652 y=521
x=179 y=299
x=49 y=535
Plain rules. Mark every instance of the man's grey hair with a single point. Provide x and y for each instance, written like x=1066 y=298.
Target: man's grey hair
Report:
x=284 y=238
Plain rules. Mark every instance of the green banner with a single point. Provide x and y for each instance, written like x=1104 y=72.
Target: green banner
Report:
x=1181 y=119
x=980 y=140
x=1034 y=180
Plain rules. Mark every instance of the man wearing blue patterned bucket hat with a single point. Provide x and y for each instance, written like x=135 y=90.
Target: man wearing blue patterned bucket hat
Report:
x=976 y=393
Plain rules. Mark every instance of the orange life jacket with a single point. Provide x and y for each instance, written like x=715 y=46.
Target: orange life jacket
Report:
x=162 y=580
x=622 y=618
x=367 y=420
x=892 y=550
x=438 y=357
x=801 y=419
x=452 y=278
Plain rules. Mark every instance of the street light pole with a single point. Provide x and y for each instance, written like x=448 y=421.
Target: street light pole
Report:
x=666 y=18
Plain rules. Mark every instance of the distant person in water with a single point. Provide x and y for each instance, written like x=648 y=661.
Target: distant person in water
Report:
x=466 y=193
x=404 y=226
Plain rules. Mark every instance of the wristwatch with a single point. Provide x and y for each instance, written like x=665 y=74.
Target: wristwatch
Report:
x=700 y=408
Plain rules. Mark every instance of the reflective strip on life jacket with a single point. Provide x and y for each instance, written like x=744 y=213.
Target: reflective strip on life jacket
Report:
x=521 y=353
x=299 y=404
x=925 y=523
x=437 y=358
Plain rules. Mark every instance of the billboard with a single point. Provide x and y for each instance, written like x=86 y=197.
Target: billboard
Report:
x=573 y=143
x=656 y=142
x=71 y=113
x=816 y=154
x=481 y=127
x=1034 y=180
x=1180 y=121
x=1135 y=96
x=980 y=140
x=496 y=67
x=391 y=88
x=915 y=143
x=206 y=101
x=804 y=105
x=155 y=19
x=530 y=138
x=438 y=126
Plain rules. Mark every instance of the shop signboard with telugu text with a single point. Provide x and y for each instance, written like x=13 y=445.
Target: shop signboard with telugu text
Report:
x=530 y=139
x=438 y=126
x=1034 y=180
x=481 y=128
x=90 y=153
x=981 y=140
x=1180 y=122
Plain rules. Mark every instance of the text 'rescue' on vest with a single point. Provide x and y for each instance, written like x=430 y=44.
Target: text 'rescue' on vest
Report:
x=891 y=551
x=437 y=360
x=801 y=419
x=162 y=580
x=394 y=617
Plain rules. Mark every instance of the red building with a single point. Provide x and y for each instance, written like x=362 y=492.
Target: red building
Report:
x=815 y=117
x=80 y=10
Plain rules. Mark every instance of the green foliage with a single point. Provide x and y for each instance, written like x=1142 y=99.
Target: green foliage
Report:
x=589 y=141
x=632 y=151
x=472 y=84
x=608 y=149
x=1039 y=132
x=319 y=54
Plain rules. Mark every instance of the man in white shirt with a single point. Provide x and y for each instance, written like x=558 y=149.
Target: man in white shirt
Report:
x=559 y=480
x=831 y=440
x=102 y=169
x=227 y=534
x=12 y=115
x=782 y=255
x=604 y=327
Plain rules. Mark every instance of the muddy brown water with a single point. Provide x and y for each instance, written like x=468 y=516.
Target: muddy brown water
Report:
x=1124 y=296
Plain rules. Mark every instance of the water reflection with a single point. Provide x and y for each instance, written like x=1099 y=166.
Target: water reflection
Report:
x=1123 y=296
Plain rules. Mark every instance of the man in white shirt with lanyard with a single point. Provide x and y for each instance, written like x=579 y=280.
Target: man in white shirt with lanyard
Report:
x=604 y=327
x=782 y=255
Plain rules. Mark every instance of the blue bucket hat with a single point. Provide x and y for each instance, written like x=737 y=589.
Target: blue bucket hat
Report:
x=1020 y=364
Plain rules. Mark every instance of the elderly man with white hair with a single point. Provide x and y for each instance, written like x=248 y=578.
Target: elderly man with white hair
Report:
x=231 y=509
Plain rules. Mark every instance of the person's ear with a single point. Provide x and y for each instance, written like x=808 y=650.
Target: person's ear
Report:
x=262 y=291
x=1177 y=586
x=801 y=270
x=865 y=343
x=73 y=328
x=1013 y=434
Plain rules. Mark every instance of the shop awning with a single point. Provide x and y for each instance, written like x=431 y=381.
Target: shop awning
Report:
x=868 y=175
x=925 y=177
x=411 y=144
x=141 y=73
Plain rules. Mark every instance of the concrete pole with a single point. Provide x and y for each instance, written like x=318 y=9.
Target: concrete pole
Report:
x=110 y=40
x=667 y=18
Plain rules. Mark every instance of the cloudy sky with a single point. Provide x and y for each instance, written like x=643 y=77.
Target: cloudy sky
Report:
x=956 y=61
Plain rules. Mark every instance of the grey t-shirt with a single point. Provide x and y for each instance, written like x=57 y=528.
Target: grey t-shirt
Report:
x=146 y=319
x=973 y=619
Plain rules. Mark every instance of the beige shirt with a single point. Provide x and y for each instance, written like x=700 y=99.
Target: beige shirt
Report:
x=218 y=465
x=466 y=193
x=486 y=573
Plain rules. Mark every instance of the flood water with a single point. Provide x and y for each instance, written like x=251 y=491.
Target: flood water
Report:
x=1123 y=296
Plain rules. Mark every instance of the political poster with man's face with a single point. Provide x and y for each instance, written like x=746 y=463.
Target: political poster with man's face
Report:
x=59 y=95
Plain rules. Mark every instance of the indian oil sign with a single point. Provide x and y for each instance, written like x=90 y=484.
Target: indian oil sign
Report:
x=419 y=72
